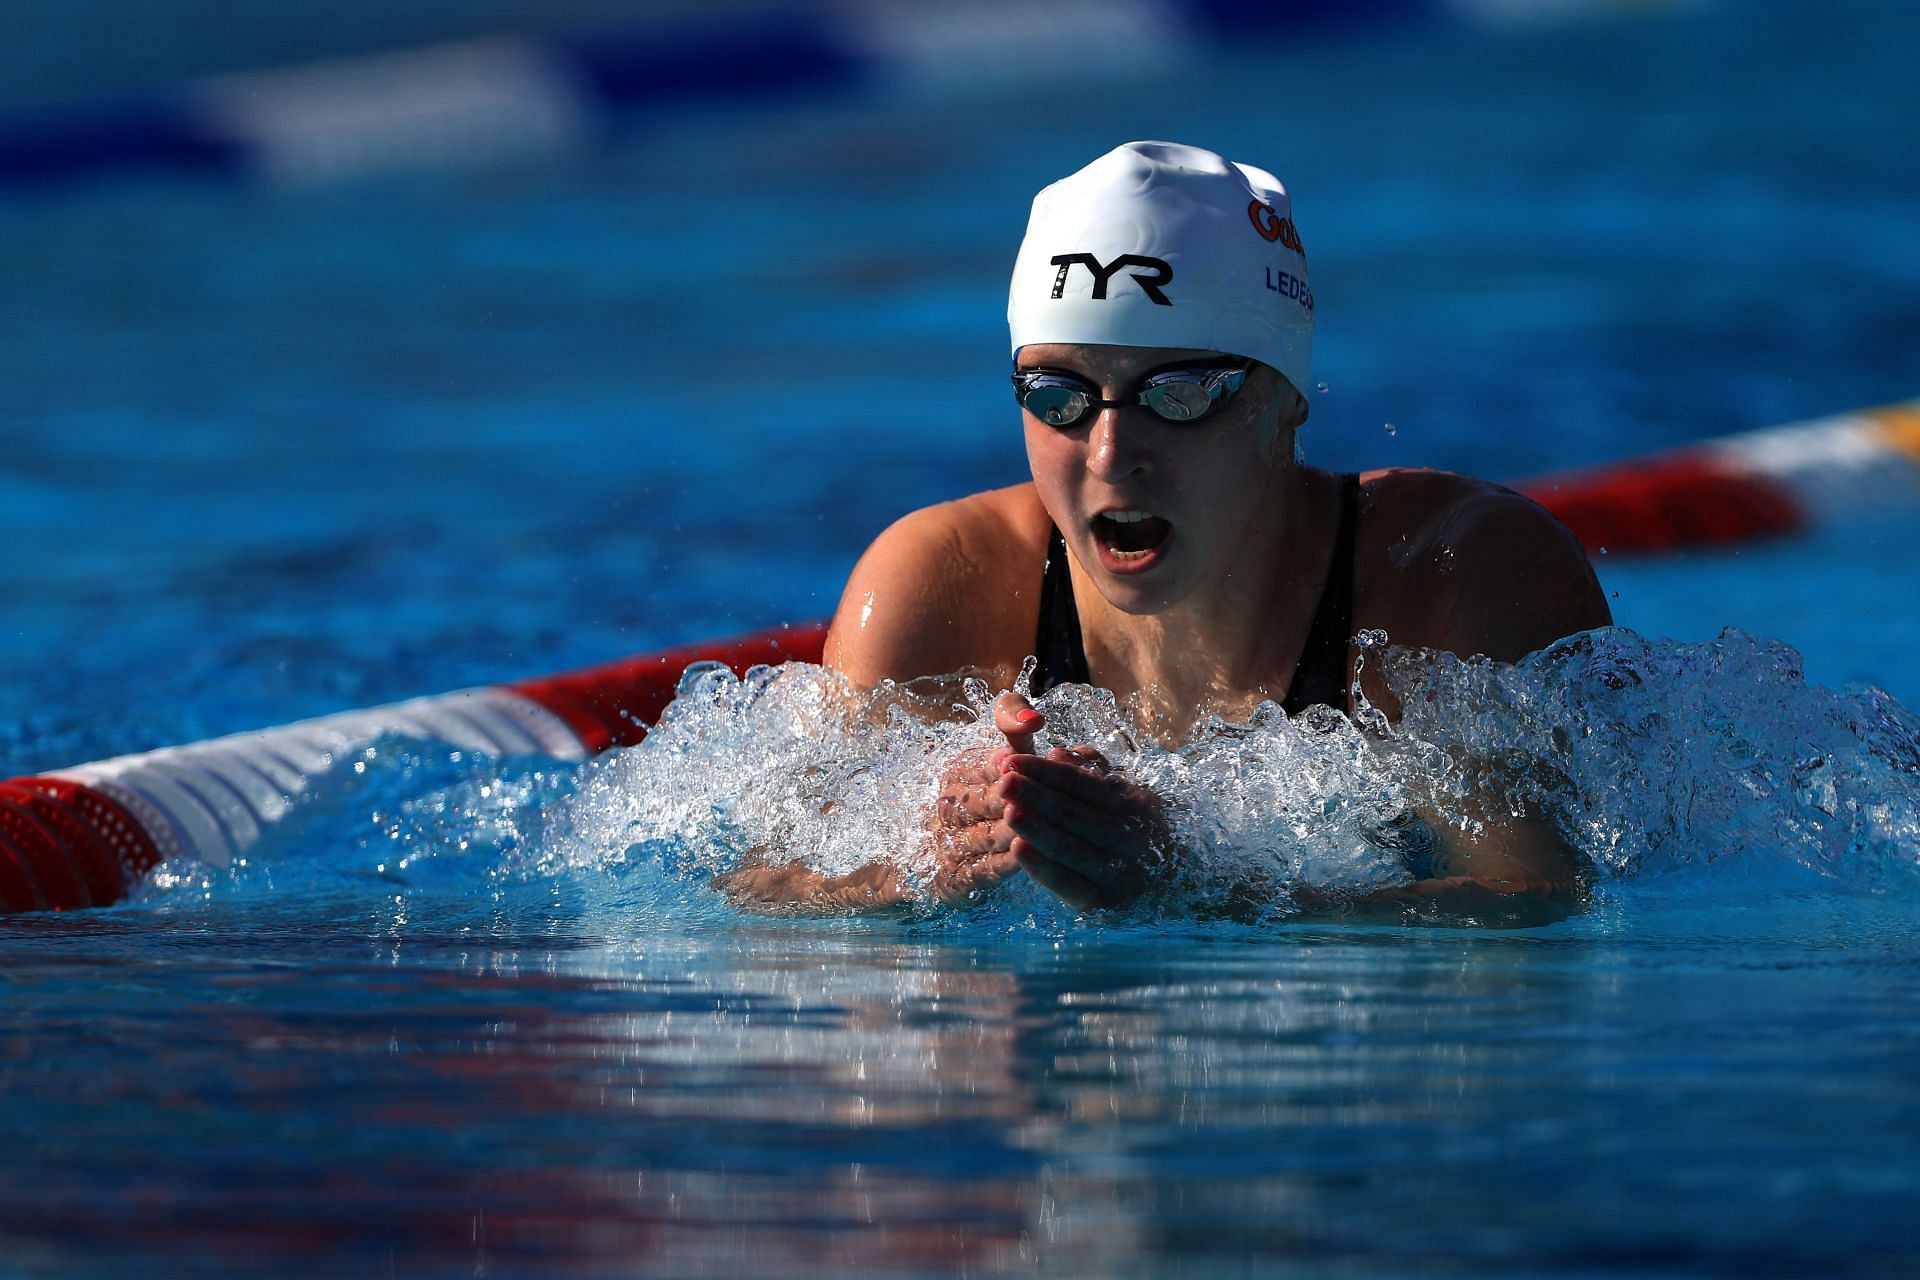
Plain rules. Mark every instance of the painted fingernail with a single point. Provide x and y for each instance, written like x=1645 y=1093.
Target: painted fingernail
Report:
x=1028 y=717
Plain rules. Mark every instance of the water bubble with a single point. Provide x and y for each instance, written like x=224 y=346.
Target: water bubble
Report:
x=1603 y=551
x=1392 y=430
x=1320 y=387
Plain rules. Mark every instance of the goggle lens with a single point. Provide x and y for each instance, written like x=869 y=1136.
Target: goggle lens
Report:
x=1178 y=395
x=1055 y=405
x=1178 y=401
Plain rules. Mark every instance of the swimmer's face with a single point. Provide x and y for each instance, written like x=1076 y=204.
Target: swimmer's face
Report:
x=1152 y=508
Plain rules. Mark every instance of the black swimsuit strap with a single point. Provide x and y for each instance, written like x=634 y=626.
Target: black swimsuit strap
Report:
x=1057 y=644
x=1325 y=667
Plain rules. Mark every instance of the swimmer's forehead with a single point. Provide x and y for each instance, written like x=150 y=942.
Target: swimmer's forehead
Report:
x=1090 y=358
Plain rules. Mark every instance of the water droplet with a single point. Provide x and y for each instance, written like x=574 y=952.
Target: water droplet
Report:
x=1603 y=551
x=1392 y=430
x=1321 y=387
x=1616 y=595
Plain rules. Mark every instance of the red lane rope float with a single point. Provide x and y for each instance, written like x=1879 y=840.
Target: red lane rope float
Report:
x=19 y=887
x=56 y=874
x=83 y=836
x=614 y=705
x=1667 y=504
x=112 y=849
x=91 y=847
x=1759 y=484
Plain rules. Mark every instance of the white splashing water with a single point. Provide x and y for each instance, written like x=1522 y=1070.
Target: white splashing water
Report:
x=1650 y=755
x=1667 y=764
x=1665 y=755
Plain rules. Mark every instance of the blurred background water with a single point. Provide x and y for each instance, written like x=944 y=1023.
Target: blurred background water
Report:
x=276 y=448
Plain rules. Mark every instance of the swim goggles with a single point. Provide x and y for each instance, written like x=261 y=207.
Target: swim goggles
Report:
x=1178 y=395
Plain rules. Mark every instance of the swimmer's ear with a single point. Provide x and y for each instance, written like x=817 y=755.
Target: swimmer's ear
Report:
x=1295 y=414
x=1285 y=432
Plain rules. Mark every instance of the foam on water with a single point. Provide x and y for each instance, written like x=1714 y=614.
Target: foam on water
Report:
x=1665 y=763
x=1662 y=756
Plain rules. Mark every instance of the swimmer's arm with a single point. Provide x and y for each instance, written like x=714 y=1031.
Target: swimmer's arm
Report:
x=1507 y=579
x=1524 y=581
x=931 y=597
x=891 y=624
x=1515 y=872
x=793 y=888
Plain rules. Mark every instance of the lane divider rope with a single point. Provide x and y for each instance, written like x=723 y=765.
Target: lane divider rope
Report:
x=84 y=836
x=1774 y=481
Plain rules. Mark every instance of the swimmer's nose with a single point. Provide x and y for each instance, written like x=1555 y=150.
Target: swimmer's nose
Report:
x=1119 y=444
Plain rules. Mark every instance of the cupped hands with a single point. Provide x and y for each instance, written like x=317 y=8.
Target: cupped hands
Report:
x=1080 y=828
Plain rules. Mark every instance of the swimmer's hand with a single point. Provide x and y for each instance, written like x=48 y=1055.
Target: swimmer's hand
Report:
x=1086 y=832
x=972 y=840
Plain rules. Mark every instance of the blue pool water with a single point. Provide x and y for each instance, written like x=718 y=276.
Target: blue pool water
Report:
x=276 y=452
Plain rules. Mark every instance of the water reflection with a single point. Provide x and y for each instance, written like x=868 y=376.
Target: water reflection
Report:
x=847 y=1102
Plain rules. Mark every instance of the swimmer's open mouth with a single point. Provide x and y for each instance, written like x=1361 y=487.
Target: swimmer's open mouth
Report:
x=1130 y=535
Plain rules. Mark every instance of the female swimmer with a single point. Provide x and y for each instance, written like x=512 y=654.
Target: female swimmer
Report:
x=1172 y=548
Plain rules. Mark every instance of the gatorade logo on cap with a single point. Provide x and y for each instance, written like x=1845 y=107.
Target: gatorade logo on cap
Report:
x=1272 y=226
x=1158 y=213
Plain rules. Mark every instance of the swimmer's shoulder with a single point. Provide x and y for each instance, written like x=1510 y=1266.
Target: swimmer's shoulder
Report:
x=1452 y=562
x=944 y=588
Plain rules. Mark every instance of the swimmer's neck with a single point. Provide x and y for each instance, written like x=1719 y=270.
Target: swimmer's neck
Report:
x=1238 y=636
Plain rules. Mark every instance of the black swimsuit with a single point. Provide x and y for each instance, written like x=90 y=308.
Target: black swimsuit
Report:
x=1325 y=663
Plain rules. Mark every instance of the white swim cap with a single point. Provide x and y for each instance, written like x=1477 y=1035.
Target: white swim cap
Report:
x=1159 y=245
